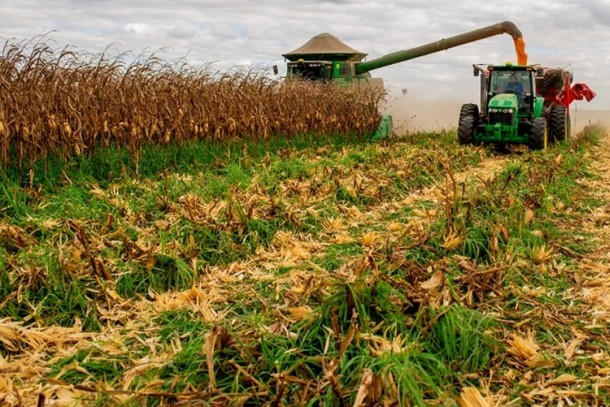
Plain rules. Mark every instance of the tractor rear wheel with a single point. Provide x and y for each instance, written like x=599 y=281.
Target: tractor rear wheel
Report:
x=469 y=117
x=539 y=135
x=559 y=124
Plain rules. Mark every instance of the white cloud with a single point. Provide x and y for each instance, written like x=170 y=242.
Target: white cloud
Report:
x=182 y=32
x=557 y=33
x=139 y=30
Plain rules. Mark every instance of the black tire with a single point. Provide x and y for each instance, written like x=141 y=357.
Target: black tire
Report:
x=467 y=128
x=553 y=78
x=469 y=109
x=538 y=134
x=559 y=124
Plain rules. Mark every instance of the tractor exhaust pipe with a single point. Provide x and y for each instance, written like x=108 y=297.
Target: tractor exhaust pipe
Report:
x=505 y=27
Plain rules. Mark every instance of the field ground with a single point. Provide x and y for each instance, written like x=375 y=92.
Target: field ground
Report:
x=410 y=272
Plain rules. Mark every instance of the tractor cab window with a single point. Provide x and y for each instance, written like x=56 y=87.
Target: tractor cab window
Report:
x=515 y=82
x=314 y=71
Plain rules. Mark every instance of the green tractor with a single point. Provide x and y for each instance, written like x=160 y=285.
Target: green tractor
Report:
x=520 y=105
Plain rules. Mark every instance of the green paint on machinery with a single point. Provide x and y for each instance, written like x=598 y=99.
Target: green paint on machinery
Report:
x=520 y=105
x=385 y=128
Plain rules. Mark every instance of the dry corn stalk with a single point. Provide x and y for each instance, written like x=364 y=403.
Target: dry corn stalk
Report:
x=68 y=103
x=471 y=397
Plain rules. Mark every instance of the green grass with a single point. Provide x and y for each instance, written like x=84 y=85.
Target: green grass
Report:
x=247 y=225
x=461 y=338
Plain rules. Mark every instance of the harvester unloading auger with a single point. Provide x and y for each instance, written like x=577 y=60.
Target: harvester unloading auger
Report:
x=326 y=58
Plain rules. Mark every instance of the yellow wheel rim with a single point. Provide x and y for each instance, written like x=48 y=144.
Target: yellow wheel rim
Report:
x=546 y=139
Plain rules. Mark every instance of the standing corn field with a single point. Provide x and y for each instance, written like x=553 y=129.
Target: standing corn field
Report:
x=68 y=103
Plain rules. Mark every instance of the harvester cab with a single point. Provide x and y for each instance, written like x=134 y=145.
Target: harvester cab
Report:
x=520 y=105
x=325 y=58
x=311 y=70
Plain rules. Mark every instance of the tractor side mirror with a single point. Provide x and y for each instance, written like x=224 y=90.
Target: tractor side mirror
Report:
x=275 y=70
x=475 y=71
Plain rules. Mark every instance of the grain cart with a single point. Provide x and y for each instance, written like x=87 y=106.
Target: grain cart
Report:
x=521 y=105
x=326 y=58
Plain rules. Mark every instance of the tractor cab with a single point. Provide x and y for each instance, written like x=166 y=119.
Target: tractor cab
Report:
x=512 y=87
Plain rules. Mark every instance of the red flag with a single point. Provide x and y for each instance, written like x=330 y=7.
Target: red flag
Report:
x=567 y=96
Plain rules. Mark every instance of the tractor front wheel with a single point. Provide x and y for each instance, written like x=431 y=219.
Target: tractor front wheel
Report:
x=559 y=124
x=539 y=135
x=469 y=116
x=466 y=130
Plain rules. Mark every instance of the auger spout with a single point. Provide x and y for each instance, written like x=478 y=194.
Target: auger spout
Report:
x=505 y=27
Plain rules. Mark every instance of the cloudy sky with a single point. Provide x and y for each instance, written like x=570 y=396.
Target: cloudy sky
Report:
x=558 y=33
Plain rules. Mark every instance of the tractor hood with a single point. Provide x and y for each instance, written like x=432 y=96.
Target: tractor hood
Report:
x=504 y=101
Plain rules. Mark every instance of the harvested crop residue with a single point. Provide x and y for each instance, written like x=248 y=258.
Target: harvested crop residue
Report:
x=412 y=271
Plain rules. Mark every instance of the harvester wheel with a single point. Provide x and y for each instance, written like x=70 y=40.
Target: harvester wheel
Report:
x=539 y=135
x=559 y=124
x=469 y=117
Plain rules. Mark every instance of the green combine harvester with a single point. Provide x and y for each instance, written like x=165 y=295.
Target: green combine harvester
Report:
x=521 y=105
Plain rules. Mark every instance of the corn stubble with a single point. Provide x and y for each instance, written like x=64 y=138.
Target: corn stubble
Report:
x=69 y=103
x=383 y=274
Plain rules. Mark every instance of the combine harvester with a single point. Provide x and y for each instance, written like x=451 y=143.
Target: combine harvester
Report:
x=326 y=58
